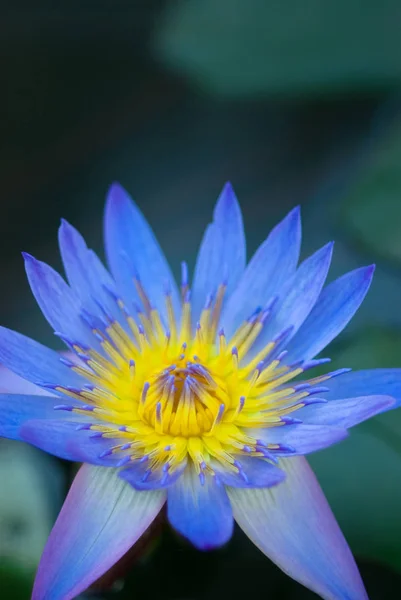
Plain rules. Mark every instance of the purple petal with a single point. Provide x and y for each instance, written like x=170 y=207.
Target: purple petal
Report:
x=63 y=438
x=34 y=362
x=335 y=307
x=133 y=251
x=86 y=274
x=141 y=477
x=293 y=525
x=369 y=382
x=301 y=438
x=201 y=513
x=297 y=297
x=221 y=257
x=347 y=412
x=272 y=264
x=59 y=304
x=17 y=409
x=101 y=519
x=253 y=472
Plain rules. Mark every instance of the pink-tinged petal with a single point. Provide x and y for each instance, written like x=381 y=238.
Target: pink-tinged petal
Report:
x=101 y=519
x=10 y=383
x=293 y=525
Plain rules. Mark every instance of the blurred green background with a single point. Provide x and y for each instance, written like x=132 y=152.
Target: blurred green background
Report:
x=294 y=102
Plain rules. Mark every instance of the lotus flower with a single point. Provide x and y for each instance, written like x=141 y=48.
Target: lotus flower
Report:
x=202 y=397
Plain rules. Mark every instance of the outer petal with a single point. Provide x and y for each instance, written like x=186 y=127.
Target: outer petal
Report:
x=59 y=304
x=101 y=519
x=201 y=513
x=132 y=250
x=293 y=525
x=297 y=297
x=221 y=256
x=335 y=307
x=34 y=362
x=10 y=383
x=300 y=438
x=86 y=274
x=64 y=438
x=272 y=264
x=361 y=383
x=17 y=409
x=347 y=412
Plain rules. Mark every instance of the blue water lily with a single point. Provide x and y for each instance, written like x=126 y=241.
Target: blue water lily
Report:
x=204 y=397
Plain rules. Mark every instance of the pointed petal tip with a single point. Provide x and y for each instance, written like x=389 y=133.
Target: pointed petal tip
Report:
x=116 y=192
x=65 y=232
x=228 y=189
x=293 y=525
x=64 y=224
x=293 y=219
x=100 y=505
x=386 y=402
x=367 y=276
x=370 y=269
x=327 y=250
x=28 y=257
x=295 y=212
x=367 y=271
x=227 y=211
x=227 y=196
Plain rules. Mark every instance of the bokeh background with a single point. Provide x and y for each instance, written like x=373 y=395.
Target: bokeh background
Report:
x=294 y=102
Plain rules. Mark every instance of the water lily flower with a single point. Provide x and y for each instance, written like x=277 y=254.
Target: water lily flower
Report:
x=202 y=397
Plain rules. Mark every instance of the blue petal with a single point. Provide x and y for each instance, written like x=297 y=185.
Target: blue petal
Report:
x=141 y=477
x=133 y=251
x=17 y=409
x=368 y=382
x=301 y=438
x=86 y=274
x=101 y=519
x=297 y=297
x=335 y=307
x=201 y=513
x=293 y=525
x=34 y=362
x=347 y=412
x=222 y=254
x=59 y=304
x=62 y=438
x=272 y=264
x=254 y=472
x=11 y=383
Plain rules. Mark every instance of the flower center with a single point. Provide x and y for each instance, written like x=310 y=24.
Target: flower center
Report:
x=184 y=400
x=166 y=395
